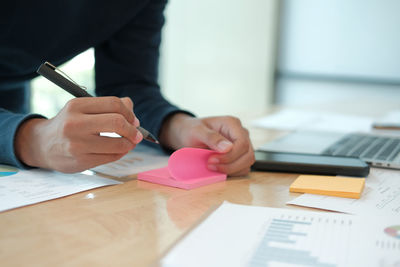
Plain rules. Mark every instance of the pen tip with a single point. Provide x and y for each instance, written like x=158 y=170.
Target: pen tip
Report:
x=151 y=138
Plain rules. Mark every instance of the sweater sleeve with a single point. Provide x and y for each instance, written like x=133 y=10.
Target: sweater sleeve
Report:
x=127 y=65
x=9 y=123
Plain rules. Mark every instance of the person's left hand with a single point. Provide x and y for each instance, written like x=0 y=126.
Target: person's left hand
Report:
x=223 y=134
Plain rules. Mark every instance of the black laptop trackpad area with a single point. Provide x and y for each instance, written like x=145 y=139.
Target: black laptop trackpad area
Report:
x=310 y=164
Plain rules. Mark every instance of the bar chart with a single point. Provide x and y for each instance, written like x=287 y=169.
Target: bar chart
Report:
x=302 y=241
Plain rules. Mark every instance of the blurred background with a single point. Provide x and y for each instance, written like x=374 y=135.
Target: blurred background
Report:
x=243 y=57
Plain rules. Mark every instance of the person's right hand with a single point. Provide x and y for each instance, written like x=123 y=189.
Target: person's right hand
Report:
x=71 y=142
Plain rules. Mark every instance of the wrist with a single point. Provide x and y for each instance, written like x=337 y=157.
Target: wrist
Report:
x=172 y=128
x=27 y=144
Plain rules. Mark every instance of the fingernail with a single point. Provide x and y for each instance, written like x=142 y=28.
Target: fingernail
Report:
x=136 y=122
x=224 y=145
x=139 y=137
x=212 y=167
x=213 y=160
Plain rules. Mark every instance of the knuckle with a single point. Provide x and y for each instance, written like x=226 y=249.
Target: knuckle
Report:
x=129 y=101
x=225 y=158
x=244 y=172
x=118 y=122
x=224 y=168
x=234 y=120
x=231 y=158
x=72 y=104
x=246 y=131
x=244 y=146
x=68 y=127
x=115 y=103
x=246 y=142
x=252 y=158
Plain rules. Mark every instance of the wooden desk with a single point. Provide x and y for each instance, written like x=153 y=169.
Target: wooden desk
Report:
x=131 y=224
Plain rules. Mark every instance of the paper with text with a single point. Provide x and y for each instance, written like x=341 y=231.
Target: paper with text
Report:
x=27 y=187
x=141 y=159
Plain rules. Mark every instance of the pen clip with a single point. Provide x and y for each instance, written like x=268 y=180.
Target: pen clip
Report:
x=48 y=64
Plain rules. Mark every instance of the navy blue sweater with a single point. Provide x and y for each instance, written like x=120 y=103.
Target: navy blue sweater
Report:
x=125 y=34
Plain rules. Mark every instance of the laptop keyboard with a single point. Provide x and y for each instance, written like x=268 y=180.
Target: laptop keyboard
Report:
x=366 y=147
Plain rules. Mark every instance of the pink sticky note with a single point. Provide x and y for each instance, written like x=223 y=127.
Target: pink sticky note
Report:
x=187 y=169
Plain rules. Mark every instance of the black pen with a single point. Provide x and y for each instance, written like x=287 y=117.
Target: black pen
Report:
x=48 y=71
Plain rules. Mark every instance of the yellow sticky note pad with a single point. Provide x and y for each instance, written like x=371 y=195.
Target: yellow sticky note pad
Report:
x=328 y=185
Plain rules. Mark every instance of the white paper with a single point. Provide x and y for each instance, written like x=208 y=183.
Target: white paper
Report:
x=381 y=195
x=141 y=159
x=238 y=235
x=33 y=186
x=316 y=121
x=392 y=117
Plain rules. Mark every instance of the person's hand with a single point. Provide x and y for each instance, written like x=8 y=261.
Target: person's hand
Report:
x=222 y=134
x=71 y=142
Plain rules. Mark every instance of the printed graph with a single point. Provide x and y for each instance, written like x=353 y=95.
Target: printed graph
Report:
x=7 y=170
x=304 y=241
x=393 y=231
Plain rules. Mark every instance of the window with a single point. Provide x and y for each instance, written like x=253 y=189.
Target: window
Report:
x=48 y=98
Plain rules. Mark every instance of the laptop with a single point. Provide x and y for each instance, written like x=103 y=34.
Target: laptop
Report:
x=377 y=150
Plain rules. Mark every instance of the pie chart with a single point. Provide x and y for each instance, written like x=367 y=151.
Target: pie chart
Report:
x=393 y=231
x=7 y=170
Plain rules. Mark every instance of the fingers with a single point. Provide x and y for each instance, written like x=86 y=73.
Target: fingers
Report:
x=228 y=126
x=238 y=167
x=70 y=141
x=101 y=105
x=93 y=125
x=240 y=157
x=106 y=145
x=93 y=152
x=112 y=123
x=241 y=147
x=212 y=139
x=129 y=104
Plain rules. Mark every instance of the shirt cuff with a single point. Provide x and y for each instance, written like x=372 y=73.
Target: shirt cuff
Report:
x=11 y=125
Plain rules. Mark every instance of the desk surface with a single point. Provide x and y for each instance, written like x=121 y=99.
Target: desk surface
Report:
x=131 y=224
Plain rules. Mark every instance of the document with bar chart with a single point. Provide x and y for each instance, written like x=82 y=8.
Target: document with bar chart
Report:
x=239 y=235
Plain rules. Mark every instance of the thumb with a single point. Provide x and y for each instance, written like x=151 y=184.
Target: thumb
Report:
x=215 y=141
